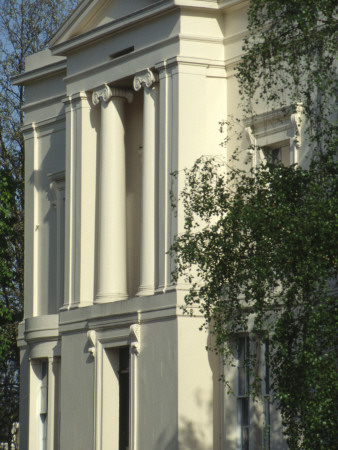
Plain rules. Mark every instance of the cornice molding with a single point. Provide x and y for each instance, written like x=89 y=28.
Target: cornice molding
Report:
x=40 y=73
x=46 y=126
x=205 y=4
x=130 y=20
x=269 y=116
x=111 y=64
x=232 y=5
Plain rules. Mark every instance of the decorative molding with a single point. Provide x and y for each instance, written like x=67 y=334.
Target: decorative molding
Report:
x=145 y=78
x=47 y=101
x=105 y=93
x=108 y=29
x=201 y=38
x=296 y=120
x=252 y=151
x=239 y=36
x=91 y=335
x=123 y=93
x=135 y=334
x=45 y=127
x=54 y=189
x=57 y=185
x=250 y=136
x=285 y=121
x=40 y=73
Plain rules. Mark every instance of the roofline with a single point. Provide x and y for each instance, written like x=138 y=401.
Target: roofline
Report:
x=71 y=19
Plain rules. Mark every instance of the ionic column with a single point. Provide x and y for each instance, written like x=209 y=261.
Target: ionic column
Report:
x=146 y=80
x=112 y=251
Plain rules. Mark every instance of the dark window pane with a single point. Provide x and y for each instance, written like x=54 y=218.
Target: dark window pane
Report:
x=124 y=398
x=267 y=369
x=245 y=412
x=242 y=381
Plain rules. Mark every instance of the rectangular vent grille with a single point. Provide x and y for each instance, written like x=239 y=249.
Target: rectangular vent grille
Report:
x=123 y=52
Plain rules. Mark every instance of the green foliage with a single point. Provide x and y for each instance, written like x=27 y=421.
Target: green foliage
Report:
x=259 y=252
x=26 y=26
x=291 y=57
x=259 y=246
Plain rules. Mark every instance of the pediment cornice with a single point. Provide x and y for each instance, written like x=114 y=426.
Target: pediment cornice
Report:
x=69 y=38
x=93 y=20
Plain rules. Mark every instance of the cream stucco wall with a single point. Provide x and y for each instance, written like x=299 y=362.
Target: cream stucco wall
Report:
x=189 y=48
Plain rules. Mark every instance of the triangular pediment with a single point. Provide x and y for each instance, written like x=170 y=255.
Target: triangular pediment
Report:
x=91 y=14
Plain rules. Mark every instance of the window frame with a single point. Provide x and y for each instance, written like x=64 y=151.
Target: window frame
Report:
x=231 y=427
x=269 y=130
x=44 y=401
x=108 y=340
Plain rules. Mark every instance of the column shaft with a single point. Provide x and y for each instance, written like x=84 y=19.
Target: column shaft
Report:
x=112 y=255
x=147 y=270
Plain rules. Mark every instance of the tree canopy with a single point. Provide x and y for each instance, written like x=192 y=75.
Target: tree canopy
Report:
x=26 y=26
x=259 y=245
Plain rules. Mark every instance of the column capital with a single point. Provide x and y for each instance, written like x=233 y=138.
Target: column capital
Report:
x=105 y=93
x=146 y=78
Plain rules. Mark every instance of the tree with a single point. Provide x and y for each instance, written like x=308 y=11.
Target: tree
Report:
x=26 y=26
x=259 y=246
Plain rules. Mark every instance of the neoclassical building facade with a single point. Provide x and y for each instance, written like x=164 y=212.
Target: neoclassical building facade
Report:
x=128 y=92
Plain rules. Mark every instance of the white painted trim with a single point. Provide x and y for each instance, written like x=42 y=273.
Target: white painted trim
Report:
x=36 y=223
x=46 y=127
x=114 y=339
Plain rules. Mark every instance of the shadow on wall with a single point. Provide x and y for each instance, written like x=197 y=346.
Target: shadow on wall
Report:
x=190 y=439
x=191 y=434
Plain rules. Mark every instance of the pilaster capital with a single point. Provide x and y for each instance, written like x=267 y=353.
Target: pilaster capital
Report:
x=146 y=78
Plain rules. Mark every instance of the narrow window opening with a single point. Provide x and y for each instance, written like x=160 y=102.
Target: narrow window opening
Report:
x=243 y=413
x=266 y=395
x=124 y=369
x=115 y=399
x=43 y=402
